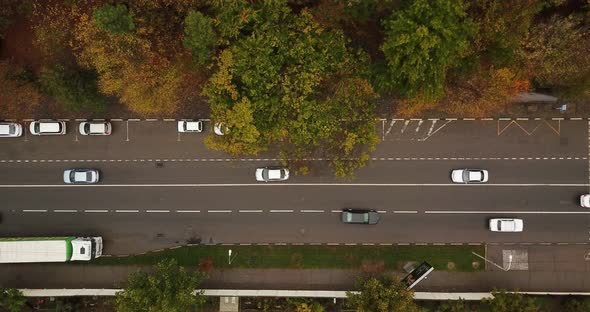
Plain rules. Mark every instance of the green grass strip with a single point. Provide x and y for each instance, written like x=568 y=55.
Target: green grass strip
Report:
x=368 y=258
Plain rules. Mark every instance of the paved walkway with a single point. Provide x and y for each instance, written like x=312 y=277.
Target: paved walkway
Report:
x=548 y=268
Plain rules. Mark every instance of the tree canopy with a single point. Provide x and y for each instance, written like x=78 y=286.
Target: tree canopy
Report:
x=386 y=295
x=169 y=288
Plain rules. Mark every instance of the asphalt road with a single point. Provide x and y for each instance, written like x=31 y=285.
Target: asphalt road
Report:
x=161 y=189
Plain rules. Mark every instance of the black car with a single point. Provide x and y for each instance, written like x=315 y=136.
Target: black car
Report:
x=360 y=216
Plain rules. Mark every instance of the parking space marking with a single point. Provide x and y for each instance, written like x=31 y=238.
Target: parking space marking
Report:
x=127 y=132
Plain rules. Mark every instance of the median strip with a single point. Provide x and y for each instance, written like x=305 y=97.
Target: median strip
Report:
x=373 y=258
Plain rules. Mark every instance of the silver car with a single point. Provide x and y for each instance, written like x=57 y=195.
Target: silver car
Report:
x=47 y=127
x=95 y=128
x=190 y=126
x=81 y=176
x=506 y=225
x=10 y=130
x=360 y=216
x=469 y=176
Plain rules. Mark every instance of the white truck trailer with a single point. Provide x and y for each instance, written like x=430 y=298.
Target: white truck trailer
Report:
x=49 y=249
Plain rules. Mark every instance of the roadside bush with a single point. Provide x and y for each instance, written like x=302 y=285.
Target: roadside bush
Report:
x=76 y=90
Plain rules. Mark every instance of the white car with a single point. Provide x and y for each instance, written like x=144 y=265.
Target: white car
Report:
x=469 y=176
x=190 y=126
x=48 y=127
x=271 y=174
x=585 y=201
x=219 y=128
x=81 y=176
x=506 y=225
x=95 y=128
x=10 y=130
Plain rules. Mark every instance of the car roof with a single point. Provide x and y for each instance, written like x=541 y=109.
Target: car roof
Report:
x=4 y=129
x=97 y=127
x=49 y=126
x=274 y=173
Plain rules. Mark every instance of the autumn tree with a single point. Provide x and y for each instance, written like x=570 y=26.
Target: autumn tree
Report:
x=170 y=288
x=556 y=52
x=422 y=42
x=503 y=301
x=199 y=36
x=19 y=94
x=385 y=295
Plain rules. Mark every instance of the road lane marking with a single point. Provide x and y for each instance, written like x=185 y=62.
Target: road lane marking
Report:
x=250 y=211
x=287 y=210
x=188 y=211
x=95 y=211
x=219 y=211
x=503 y=212
x=65 y=210
x=312 y=211
x=337 y=211
x=34 y=210
x=405 y=211
x=301 y=184
x=126 y=211
x=157 y=211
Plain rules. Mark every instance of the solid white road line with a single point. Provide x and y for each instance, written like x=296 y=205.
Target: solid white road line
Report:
x=188 y=211
x=504 y=212
x=302 y=184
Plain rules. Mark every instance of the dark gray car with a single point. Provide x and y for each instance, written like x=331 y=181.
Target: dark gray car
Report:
x=360 y=216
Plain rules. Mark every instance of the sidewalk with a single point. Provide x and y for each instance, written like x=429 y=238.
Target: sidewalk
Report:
x=550 y=268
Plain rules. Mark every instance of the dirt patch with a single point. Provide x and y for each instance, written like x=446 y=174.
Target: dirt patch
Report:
x=475 y=264
x=296 y=261
x=451 y=266
x=369 y=266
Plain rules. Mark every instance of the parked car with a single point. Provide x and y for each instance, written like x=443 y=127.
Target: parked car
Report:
x=95 y=128
x=81 y=176
x=506 y=225
x=47 y=127
x=272 y=174
x=10 y=130
x=585 y=200
x=360 y=216
x=220 y=128
x=190 y=126
x=469 y=176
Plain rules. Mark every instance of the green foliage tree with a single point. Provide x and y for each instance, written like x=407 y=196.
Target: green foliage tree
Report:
x=12 y=299
x=199 y=36
x=387 y=295
x=76 y=90
x=284 y=77
x=170 y=288
x=576 y=305
x=453 y=306
x=422 y=42
x=511 y=302
x=114 y=18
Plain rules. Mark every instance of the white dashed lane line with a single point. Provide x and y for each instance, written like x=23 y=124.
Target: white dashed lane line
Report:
x=188 y=211
x=65 y=210
x=157 y=211
x=278 y=159
x=127 y=211
x=405 y=211
x=312 y=211
x=34 y=210
x=95 y=211
x=250 y=211
x=219 y=211
x=281 y=210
